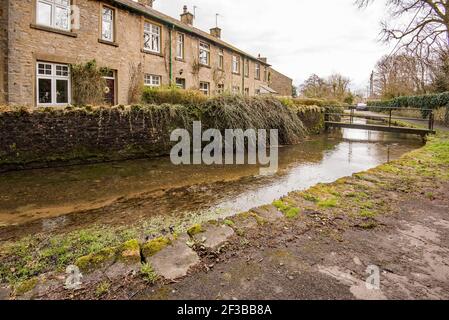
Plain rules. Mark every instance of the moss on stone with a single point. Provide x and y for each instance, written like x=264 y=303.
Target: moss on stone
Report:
x=130 y=252
x=229 y=223
x=97 y=260
x=292 y=213
x=195 y=229
x=287 y=207
x=25 y=286
x=154 y=246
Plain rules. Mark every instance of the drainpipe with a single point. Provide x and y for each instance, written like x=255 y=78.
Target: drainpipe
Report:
x=243 y=75
x=171 y=53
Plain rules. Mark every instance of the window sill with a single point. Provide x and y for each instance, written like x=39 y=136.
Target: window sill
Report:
x=236 y=74
x=152 y=53
x=53 y=30
x=180 y=59
x=114 y=44
x=205 y=66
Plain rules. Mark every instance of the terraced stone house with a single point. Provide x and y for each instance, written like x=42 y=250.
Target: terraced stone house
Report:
x=40 y=39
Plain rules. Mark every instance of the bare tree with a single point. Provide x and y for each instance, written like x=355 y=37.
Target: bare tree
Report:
x=335 y=87
x=400 y=74
x=426 y=26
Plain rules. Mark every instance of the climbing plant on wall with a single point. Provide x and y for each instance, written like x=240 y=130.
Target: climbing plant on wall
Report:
x=88 y=84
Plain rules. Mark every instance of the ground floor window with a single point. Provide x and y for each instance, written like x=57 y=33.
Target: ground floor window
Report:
x=181 y=83
x=53 y=84
x=204 y=87
x=235 y=90
x=152 y=80
x=246 y=91
x=220 y=88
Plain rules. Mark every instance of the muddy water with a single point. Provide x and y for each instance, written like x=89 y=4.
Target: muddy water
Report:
x=55 y=200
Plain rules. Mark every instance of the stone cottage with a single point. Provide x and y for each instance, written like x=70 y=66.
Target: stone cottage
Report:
x=40 y=39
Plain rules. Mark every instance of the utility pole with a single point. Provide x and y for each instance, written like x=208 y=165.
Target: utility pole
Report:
x=371 y=85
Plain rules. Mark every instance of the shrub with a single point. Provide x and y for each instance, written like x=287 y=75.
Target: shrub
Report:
x=423 y=102
x=172 y=95
x=238 y=112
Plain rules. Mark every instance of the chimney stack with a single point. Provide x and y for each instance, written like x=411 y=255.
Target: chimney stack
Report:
x=262 y=59
x=216 y=32
x=187 y=17
x=146 y=3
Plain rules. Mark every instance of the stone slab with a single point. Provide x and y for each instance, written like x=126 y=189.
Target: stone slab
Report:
x=174 y=261
x=214 y=236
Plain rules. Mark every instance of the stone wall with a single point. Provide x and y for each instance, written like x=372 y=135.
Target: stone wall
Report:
x=281 y=83
x=32 y=43
x=3 y=50
x=47 y=138
x=52 y=137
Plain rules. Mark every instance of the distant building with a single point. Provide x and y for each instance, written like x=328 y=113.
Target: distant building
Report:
x=38 y=42
x=282 y=84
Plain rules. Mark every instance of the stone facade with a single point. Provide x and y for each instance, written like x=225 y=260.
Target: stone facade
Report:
x=281 y=83
x=29 y=43
x=3 y=49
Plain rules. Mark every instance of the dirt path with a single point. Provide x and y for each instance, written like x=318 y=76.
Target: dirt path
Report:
x=411 y=250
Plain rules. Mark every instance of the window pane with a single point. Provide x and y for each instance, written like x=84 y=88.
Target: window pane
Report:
x=108 y=24
x=44 y=69
x=62 y=71
x=62 y=18
x=44 y=13
x=107 y=31
x=45 y=91
x=62 y=91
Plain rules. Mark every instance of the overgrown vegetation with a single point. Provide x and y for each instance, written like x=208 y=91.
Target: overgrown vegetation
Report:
x=88 y=84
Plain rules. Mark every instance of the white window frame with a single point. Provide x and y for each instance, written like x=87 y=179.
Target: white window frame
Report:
x=111 y=22
x=204 y=47
x=205 y=88
x=180 y=41
x=149 y=80
x=152 y=31
x=54 y=5
x=236 y=64
x=54 y=78
x=235 y=89
x=257 y=71
x=221 y=59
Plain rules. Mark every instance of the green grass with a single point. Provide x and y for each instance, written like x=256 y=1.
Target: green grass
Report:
x=328 y=203
x=148 y=274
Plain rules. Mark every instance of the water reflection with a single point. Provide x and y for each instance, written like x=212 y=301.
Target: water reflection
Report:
x=68 y=198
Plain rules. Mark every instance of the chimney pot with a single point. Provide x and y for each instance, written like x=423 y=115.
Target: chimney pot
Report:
x=187 y=17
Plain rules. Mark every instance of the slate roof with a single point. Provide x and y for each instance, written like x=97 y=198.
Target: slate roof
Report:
x=136 y=7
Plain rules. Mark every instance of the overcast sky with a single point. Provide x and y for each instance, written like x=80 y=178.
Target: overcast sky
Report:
x=299 y=37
